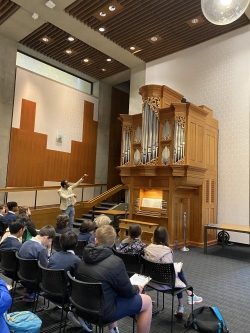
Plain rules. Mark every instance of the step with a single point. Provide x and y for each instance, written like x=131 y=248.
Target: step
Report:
x=101 y=208
x=90 y=212
x=109 y=204
x=85 y=216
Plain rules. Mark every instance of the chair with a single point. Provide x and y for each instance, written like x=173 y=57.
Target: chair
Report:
x=56 y=244
x=91 y=306
x=28 y=271
x=162 y=273
x=9 y=264
x=79 y=248
x=54 y=283
x=132 y=262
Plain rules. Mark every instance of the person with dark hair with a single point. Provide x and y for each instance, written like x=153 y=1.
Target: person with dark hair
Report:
x=12 y=209
x=121 y=298
x=25 y=213
x=2 y=225
x=68 y=198
x=5 y=304
x=159 y=251
x=11 y=242
x=133 y=243
x=2 y=210
x=37 y=248
x=67 y=260
x=62 y=224
x=99 y=221
x=86 y=230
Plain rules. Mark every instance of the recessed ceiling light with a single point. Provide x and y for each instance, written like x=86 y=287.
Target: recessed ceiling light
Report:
x=195 y=20
x=101 y=29
x=109 y=59
x=104 y=69
x=132 y=48
x=112 y=8
x=103 y=14
x=154 y=39
x=86 y=60
x=45 y=39
x=71 y=38
x=68 y=51
x=50 y=4
x=34 y=16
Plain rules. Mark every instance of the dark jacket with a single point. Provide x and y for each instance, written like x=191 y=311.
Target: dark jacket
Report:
x=10 y=244
x=62 y=231
x=32 y=230
x=9 y=217
x=64 y=260
x=84 y=236
x=100 y=264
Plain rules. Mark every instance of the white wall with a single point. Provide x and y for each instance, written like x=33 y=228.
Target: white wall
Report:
x=216 y=74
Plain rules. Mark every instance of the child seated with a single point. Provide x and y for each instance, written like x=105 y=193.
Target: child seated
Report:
x=133 y=244
x=160 y=252
x=86 y=230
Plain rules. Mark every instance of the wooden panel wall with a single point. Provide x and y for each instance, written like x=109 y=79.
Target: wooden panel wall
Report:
x=119 y=105
x=30 y=163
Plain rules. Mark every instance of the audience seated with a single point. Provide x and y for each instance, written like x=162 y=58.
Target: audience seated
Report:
x=5 y=304
x=37 y=248
x=67 y=260
x=12 y=209
x=2 y=211
x=121 y=298
x=99 y=222
x=2 y=225
x=30 y=231
x=16 y=230
x=62 y=224
x=160 y=252
x=133 y=243
x=86 y=230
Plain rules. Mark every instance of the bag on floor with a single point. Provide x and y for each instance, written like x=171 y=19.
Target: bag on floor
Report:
x=207 y=319
x=23 y=322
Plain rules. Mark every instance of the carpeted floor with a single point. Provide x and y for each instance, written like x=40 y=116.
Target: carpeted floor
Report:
x=221 y=277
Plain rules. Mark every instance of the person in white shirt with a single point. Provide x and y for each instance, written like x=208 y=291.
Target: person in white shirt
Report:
x=68 y=199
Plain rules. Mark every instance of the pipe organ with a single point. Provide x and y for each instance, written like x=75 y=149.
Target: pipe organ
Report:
x=169 y=162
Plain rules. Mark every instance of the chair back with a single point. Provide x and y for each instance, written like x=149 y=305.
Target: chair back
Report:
x=56 y=244
x=28 y=269
x=160 y=273
x=9 y=262
x=53 y=281
x=88 y=299
x=132 y=262
x=79 y=248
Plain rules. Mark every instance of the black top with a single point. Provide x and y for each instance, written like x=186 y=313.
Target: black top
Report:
x=62 y=231
x=100 y=264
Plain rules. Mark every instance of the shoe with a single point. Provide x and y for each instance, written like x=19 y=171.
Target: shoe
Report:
x=86 y=325
x=196 y=299
x=179 y=312
x=73 y=320
x=29 y=298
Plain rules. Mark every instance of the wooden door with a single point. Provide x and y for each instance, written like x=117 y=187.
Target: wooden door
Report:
x=180 y=205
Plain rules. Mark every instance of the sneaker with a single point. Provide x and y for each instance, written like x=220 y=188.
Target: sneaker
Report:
x=29 y=298
x=86 y=325
x=179 y=312
x=196 y=299
x=73 y=320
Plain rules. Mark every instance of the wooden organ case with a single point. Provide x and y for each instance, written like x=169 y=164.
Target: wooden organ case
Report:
x=169 y=163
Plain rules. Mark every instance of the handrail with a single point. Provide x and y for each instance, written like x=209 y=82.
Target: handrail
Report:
x=95 y=201
x=42 y=188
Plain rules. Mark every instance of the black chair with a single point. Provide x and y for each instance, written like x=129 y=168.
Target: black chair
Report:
x=162 y=273
x=54 y=287
x=56 y=244
x=132 y=262
x=89 y=307
x=79 y=248
x=9 y=264
x=28 y=271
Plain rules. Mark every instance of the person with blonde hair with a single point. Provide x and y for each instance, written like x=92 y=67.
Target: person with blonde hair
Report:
x=121 y=298
x=99 y=221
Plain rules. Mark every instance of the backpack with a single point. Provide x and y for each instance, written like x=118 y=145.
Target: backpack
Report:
x=22 y=322
x=207 y=319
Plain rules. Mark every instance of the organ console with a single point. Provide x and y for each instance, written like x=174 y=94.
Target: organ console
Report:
x=169 y=163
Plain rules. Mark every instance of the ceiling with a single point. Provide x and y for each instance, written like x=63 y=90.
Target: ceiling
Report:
x=131 y=25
